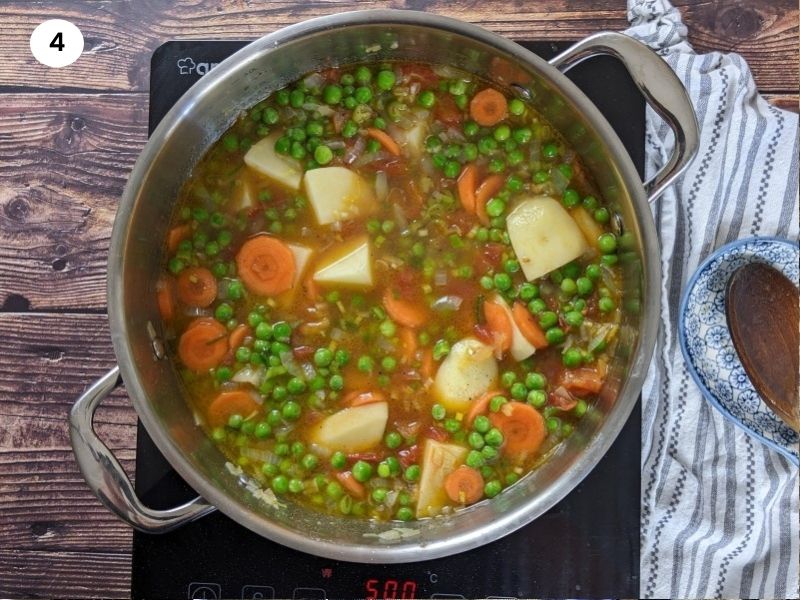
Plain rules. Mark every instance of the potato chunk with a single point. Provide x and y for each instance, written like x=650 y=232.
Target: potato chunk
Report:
x=438 y=461
x=466 y=373
x=263 y=159
x=338 y=194
x=349 y=264
x=543 y=236
x=353 y=429
x=301 y=256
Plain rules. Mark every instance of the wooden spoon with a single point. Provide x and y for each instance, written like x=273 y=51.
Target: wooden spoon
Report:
x=761 y=306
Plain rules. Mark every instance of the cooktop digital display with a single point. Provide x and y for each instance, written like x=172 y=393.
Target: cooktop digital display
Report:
x=586 y=546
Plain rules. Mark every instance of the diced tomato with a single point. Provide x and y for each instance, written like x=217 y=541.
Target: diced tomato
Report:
x=446 y=111
x=562 y=399
x=303 y=352
x=408 y=456
x=367 y=456
x=421 y=73
x=436 y=434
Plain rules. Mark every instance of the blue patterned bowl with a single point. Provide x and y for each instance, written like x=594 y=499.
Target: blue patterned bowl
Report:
x=708 y=349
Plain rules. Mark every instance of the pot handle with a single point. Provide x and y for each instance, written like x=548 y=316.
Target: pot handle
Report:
x=105 y=475
x=661 y=88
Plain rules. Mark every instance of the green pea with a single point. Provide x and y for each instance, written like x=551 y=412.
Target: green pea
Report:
x=502 y=281
x=528 y=291
x=553 y=424
x=516 y=107
x=451 y=169
x=508 y=378
x=283 y=145
x=580 y=408
x=334 y=490
x=496 y=402
x=386 y=80
x=218 y=434
x=568 y=286
x=280 y=484
x=270 y=116
x=573 y=318
x=279 y=393
x=537 y=398
x=555 y=335
x=496 y=165
x=489 y=452
x=475 y=459
x=441 y=349
x=487 y=145
x=438 y=412
x=486 y=282
x=338 y=460
x=607 y=243
x=457 y=87
x=501 y=133
x=475 y=440
x=481 y=424
x=235 y=421
x=471 y=129
x=601 y=215
x=609 y=259
x=515 y=157
x=495 y=207
x=310 y=462
x=262 y=430
x=518 y=391
x=593 y=272
x=336 y=382
x=572 y=358
x=548 y=319
x=393 y=440
x=606 y=304
x=379 y=495
x=570 y=198
x=291 y=411
x=492 y=488
x=541 y=177
x=362 y=94
x=550 y=151
x=230 y=142
x=363 y=75
x=511 y=266
x=224 y=312
x=282 y=331
x=242 y=354
x=388 y=363
x=365 y=364
x=537 y=306
x=323 y=155
x=298 y=448
x=362 y=471
x=452 y=425
x=426 y=99
x=412 y=473
x=566 y=171
x=332 y=94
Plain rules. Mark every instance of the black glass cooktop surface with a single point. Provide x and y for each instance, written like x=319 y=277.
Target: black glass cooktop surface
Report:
x=586 y=546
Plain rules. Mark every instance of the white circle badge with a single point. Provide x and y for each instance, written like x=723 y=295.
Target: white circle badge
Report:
x=56 y=43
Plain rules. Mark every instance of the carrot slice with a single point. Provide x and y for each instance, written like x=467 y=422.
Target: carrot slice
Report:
x=428 y=367
x=582 y=381
x=488 y=107
x=385 y=140
x=176 y=235
x=464 y=485
x=203 y=345
x=467 y=181
x=230 y=403
x=360 y=398
x=522 y=427
x=528 y=326
x=488 y=188
x=353 y=487
x=266 y=265
x=238 y=335
x=406 y=313
x=498 y=322
x=479 y=407
x=197 y=287
x=165 y=295
x=408 y=344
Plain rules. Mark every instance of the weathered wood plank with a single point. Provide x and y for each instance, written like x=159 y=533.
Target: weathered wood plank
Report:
x=64 y=160
x=120 y=36
x=48 y=360
x=34 y=574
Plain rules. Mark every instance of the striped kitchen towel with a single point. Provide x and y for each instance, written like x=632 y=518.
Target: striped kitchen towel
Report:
x=719 y=510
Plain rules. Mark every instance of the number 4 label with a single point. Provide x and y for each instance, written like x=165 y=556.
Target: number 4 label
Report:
x=56 y=43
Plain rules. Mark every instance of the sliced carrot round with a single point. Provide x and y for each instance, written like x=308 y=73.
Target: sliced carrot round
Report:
x=500 y=325
x=165 y=295
x=488 y=107
x=464 y=485
x=467 y=181
x=522 y=427
x=266 y=265
x=406 y=313
x=197 y=287
x=226 y=404
x=203 y=345
x=528 y=326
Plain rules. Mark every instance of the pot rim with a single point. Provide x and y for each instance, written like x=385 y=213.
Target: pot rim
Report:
x=505 y=523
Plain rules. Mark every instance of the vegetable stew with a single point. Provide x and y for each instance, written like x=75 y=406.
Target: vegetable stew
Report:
x=391 y=291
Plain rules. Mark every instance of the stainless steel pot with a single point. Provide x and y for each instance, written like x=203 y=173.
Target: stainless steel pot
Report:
x=205 y=112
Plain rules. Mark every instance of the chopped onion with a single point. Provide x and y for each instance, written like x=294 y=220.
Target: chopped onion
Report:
x=310 y=106
x=324 y=110
x=440 y=277
x=559 y=181
x=308 y=370
x=455 y=134
x=337 y=335
x=264 y=456
x=605 y=331
x=447 y=303
x=400 y=217
x=314 y=81
x=355 y=151
x=381 y=185
x=288 y=361
x=335 y=144
x=414 y=88
x=447 y=72
x=194 y=311
x=249 y=375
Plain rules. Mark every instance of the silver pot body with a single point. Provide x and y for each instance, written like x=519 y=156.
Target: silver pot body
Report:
x=147 y=206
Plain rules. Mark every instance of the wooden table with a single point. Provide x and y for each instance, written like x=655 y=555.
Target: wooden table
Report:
x=68 y=139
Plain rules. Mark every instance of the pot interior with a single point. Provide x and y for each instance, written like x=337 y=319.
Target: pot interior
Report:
x=204 y=114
